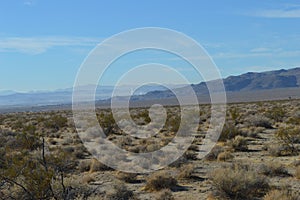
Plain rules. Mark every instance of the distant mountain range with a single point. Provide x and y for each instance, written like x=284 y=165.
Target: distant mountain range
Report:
x=64 y=96
x=251 y=81
x=280 y=81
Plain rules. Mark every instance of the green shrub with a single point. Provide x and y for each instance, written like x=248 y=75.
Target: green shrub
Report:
x=289 y=136
x=276 y=113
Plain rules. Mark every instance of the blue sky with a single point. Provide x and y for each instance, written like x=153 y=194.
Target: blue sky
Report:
x=43 y=43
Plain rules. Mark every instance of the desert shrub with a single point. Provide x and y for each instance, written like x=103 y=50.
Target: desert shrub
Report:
x=276 y=113
x=165 y=194
x=179 y=162
x=295 y=119
x=127 y=177
x=173 y=123
x=225 y=156
x=259 y=121
x=278 y=150
x=106 y=120
x=229 y=131
x=152 y=147
x=120 y=192
x=280 y=195
x=98 y=166
x=186 y=171
x=84 y=166
x=289 y=136
x=239 y=143
x=297 y=174
x=272 y=169
x=160 y=180
x=239 y=183
x=235 y=114
x=214 y=153
x=56 y=122
x=30 y=172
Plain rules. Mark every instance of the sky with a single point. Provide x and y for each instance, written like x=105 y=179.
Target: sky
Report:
x=43 y=43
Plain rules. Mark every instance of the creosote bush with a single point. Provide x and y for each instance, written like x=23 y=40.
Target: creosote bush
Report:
x=186 y=171
x=239 y=183
x=27 y=171
x=260 y=121
x=214 y=153
x=239 y=143
x=126 y=177
x=120 y=192
x=160 y=180
x=273 y=169
x=225 y=156
x=229 y=132
x=289 y=136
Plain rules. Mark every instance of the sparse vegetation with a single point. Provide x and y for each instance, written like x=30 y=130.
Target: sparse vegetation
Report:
x=289 y=136
x=160 y=180
x=239 y=183
x=281 y=195
x=42 y=157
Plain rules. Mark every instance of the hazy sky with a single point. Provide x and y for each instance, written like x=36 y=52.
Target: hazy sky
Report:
x=43 y=43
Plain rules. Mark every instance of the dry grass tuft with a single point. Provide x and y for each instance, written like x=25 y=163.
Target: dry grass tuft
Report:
x=160 y=180
x=239 y=183
x=280 y=195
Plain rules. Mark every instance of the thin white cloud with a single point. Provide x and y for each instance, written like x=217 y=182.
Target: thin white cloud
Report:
x=286 y=11
x=260 y=49
x=37 y=45
x=282 y=54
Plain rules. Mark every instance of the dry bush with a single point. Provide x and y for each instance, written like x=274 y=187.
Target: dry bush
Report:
x=297 y=174
x=272 y=169
x=289 y=136
x=276 y=113
x=225 y=156
x=160 y=180
x=281 y=195
x=127 y=177
x=259 y=121
x=84 y=166
x=120 y=192
x=186 y=171
x=214 y=153
x=239 y=183
x=98 y=166
x=239 y=143
x=278 y=150
x=229 y=132
x=191 y=155
x=165 y=194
